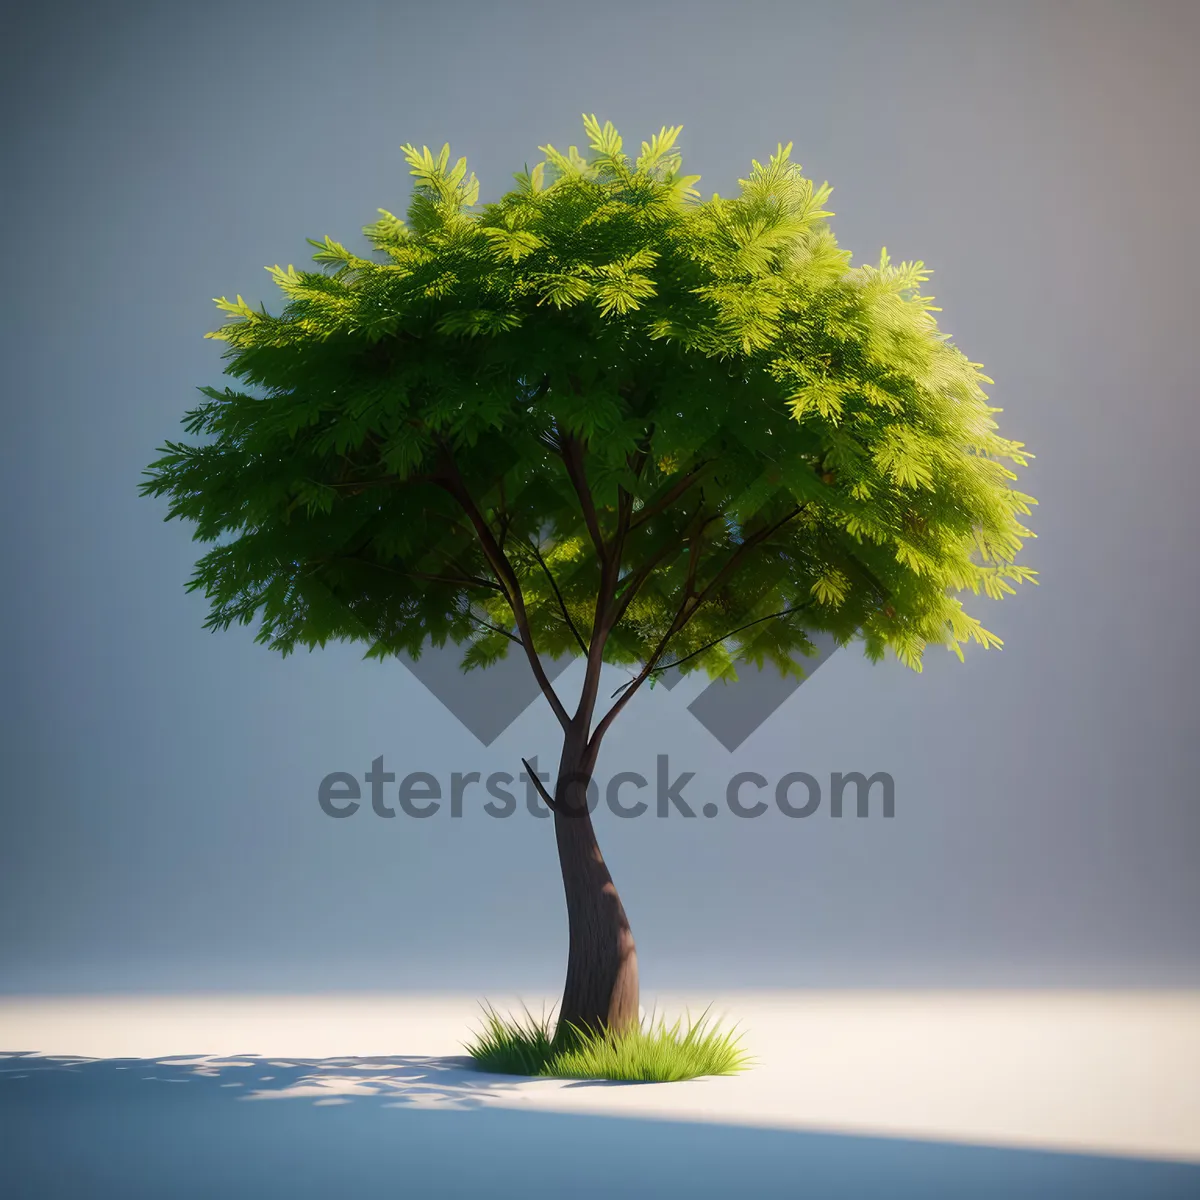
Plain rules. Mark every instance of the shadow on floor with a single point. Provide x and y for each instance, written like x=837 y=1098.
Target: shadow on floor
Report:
x=241 y=1126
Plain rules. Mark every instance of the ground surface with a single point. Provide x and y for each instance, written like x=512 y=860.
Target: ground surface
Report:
x=856 y=1094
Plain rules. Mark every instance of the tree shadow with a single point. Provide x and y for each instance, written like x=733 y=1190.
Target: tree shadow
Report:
x=196 y=1127
x=448 y=1081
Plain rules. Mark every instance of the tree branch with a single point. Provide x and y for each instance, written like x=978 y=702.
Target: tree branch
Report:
x=629 y=585
x=425 y=576
x=572 y=456
x=685 y=613
x=783 y=612
x=625 y=500
x=502 y=507
x=507 y=577
x=494 y=628
x=562 y=604
x=671 y=495
x=608 y=611
x=551 y=804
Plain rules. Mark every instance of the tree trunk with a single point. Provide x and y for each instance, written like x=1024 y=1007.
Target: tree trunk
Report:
x=601 y=991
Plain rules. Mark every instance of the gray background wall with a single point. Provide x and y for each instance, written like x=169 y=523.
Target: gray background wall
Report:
x=159 y=825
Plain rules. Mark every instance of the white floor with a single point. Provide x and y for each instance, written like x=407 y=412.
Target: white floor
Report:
x=1098 y=1073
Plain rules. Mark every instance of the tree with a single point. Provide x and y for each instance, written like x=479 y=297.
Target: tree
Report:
x=599 y=416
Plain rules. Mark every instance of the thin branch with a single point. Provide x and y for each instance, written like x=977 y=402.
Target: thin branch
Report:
x=456 y=581
x=494 y=628
x=504 y=518
x=783 y=612
x=885 y=594
x=361 y=485
x=629 y=585
x=562 y=604
x=572 y=456
x=625 y=501
x=507 y=577
x=671 y=495
x=685 y=613
x=607 y=611
x=551 y=804
x=424 y=576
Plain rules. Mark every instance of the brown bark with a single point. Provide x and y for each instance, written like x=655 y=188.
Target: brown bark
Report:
x=601 y=990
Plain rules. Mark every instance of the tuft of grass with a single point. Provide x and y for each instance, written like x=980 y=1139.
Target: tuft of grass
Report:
x=512 y=1045
x=651 y=1052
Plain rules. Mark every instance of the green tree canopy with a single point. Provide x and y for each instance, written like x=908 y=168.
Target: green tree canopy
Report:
x=600 y=409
